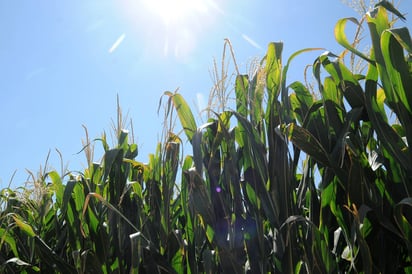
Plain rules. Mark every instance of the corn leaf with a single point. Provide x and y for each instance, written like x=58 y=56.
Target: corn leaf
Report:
x=184 y=113
x=341 y=38
x=305 y=141
x=26 y=228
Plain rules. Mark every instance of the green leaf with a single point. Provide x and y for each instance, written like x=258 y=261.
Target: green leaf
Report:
x=305 y=141
x=110 y=158
x=197 y=148
x=341 y=38
x=291 y=58
x=26 y=228
x=301 y=100
x=390 y=139
x=242 y=89
x=389 y=6
x=285 y=71
x=210 y=233
x=328 y=195
x=398 y=74
x=199 y=199
x=184 y=113
x=344 y=79
x=49 y=257
x=7 y=237
x=257 y=89
x=252 y=197
x=333 y=117
x=57 y=186
x=68 y=190
x=378 y=22
x=403 y=37
x=274 y=70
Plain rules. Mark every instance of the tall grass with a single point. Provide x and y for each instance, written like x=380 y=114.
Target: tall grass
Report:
x=293 y=180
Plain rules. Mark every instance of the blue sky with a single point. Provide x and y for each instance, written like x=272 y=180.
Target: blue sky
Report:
x=62 y=64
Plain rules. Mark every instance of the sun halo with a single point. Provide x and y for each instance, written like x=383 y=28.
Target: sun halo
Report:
x=172 y=27
x=175 y=11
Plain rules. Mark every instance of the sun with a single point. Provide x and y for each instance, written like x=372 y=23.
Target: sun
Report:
x=171 y=27
x=173 y=12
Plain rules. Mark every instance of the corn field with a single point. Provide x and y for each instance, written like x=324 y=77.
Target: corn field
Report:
x=295 y=178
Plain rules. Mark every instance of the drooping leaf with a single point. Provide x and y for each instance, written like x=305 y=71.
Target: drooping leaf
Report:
x=25 y=227
x=341 y=38
x=307 y=142
x=390 y=7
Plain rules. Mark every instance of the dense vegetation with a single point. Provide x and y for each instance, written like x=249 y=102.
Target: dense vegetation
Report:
x=296 y=179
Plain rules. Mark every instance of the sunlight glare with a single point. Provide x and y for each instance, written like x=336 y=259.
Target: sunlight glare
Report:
x=175 y=11
x=172 y=27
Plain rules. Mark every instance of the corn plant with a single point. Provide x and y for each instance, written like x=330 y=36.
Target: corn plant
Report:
x=361 y=154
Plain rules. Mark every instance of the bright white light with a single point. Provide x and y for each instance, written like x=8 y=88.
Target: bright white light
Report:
x=174 y=11
x=171 y=27
x=117 y=43
x=251 y=41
